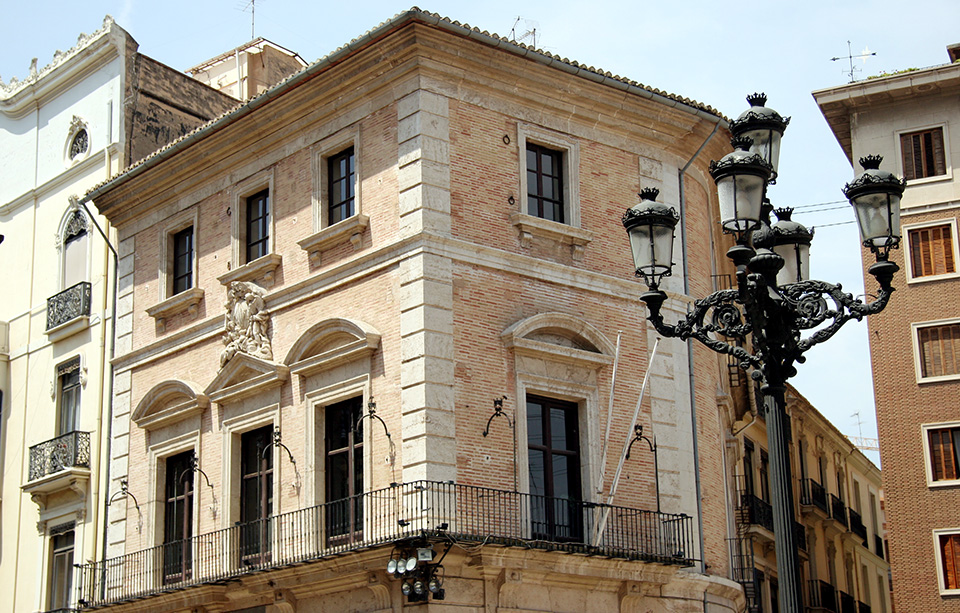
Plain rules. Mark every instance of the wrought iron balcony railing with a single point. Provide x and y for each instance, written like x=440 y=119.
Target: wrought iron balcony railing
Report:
x=863 y=607
x=856 y=525
x=422 y=508
x=755 y=511
x=848 y=604
x=838 y=510
x=68 y=451
x=878 y=545
x=800 y=535
x=69 y=304
x=822 y=596
x=812 y=493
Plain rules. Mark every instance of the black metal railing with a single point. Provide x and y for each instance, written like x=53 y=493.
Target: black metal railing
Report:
x=418 y=509
x=822 y=596
x=878 y=545
x=800 y=535
x=68 y=304
x=812 y=493
x=838 y=510
x=856 y=525
x=863 y=607
x=848 y=604
x=755 y=511
x=67 y=451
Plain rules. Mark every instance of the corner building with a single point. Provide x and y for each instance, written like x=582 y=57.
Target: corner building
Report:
x=372 y=316
x=912 y=119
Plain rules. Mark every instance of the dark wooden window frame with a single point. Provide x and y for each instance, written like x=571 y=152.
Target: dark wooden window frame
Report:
x=182 y=265
x=341 y=186
x=931 y=250
x=62 y=549
x=949 y=547
x=923 y=154
x=256 y=486
x=540 y=179
x=558 y=519
x=69 y=395
x=943 y=445
x=344 y=442
x=257 y=225
x=938 y=348
x=178 y=517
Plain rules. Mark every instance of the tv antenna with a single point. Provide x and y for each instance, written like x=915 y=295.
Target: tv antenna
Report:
x=529 y=34
x=850 y=57
x=252 y=5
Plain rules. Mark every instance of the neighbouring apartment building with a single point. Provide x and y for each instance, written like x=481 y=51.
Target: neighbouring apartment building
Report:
x=839 y=519
x=94 y=110
x=912 y=118
x=367 y=335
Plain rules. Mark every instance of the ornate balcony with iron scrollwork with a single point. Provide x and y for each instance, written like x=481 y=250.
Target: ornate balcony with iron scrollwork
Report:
x=68 y=311
x=60 y=464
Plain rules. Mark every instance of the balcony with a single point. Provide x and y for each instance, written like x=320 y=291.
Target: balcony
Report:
x=848 y=604
x=755 y=512
x=59 y=464
x=69 y=311
x=836 y=523
x=878 y=545
x=813 y=496
x=821 y=597
x=863 y=607
x=429 y=509
x=857 y=527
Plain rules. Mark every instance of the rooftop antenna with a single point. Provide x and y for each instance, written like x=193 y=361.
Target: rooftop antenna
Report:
x=252 y=5
x=529 y=35
x=850 y=56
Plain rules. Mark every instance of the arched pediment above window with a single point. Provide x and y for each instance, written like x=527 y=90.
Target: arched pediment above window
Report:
x=169 y=402
x=330 y=343
x=560 y=337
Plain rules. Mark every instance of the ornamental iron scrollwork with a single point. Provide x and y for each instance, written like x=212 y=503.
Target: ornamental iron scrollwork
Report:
x=69 y=304
x=68 y=451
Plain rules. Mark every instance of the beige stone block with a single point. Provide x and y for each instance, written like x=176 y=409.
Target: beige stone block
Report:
x=122 y=381
x=426 y=292
x=430 y=449
x=125 y=266
x=430 y=472
x=426 y=344
x=425 y=222
x=124 y=344
x=121 y=407
x=429 y=422
x=124 y=324
x=125 y=304
x=427 y=395
x=126 y=247
x=425 y=266
x=120 y=445
x=423 y=123
x=424 y=147
x=424 y=171
x=424 y=196
x=422 y=100
x=426 y=318
x=125 y=285
x=427 y=370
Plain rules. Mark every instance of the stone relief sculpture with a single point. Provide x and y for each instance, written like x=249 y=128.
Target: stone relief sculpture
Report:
x=247 y=323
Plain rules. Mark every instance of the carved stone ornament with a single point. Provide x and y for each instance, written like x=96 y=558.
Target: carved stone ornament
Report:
x=247 y=323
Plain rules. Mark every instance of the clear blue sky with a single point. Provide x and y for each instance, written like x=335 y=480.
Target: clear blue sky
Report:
x=713 y=52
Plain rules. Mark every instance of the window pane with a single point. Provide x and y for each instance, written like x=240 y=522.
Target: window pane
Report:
x=534 y=423
x=75 y=260
x=537 y=471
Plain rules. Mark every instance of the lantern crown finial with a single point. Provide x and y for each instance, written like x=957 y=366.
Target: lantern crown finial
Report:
x=649 y=193
x=871 y=162
x=757 y=99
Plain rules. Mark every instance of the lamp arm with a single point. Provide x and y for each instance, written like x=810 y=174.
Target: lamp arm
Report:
x=808 y=301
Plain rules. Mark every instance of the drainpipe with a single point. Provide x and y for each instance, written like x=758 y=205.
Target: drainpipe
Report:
x=109 y=362
x=693 y=403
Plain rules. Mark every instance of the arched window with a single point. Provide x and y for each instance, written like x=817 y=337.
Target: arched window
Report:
x=74 y=249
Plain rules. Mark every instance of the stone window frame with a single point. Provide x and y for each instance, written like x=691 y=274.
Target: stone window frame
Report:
x=262 y=267
x=72 y=210
x=169 y=304
x=907 y=255
x=947 y=176
x=48 y=527
x=351 y=229
x=915 y=328
x=938 y=558
x=157 y=455
x=530 y=226
x=77 y=125
x=925 y=430
x=231 y=429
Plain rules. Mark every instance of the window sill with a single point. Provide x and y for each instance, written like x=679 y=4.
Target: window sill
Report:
x=530 y=226
x=926 y=278
x=186 y=300
x=350 y=229
x=263 y=267
x=922 y=380
x=68 y=328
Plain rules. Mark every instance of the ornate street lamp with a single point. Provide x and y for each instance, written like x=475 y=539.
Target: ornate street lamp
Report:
x=774 y=302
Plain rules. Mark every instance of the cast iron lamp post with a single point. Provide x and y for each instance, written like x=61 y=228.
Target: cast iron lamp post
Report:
x=774 y=302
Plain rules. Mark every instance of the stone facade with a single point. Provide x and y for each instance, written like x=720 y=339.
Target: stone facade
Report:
x=882 y=116
x=438 y=301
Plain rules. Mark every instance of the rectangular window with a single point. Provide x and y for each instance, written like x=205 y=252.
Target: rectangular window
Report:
x=256 y=494
x=178 y=518
x=949 y=548
x=182 y=260
x=258 y=225
x=944 y=448
x=764 y=476
x=553 y=434
x=748 y=467
x=61 y=569
x=939 y=348
x=931 y=251
x=340 y=188
x=923 y=154
x=68 y=411
x=343 y=443
x=545 y=183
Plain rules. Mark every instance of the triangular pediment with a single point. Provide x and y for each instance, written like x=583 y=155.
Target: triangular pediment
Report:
x=245 y=375
x=169 y=402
